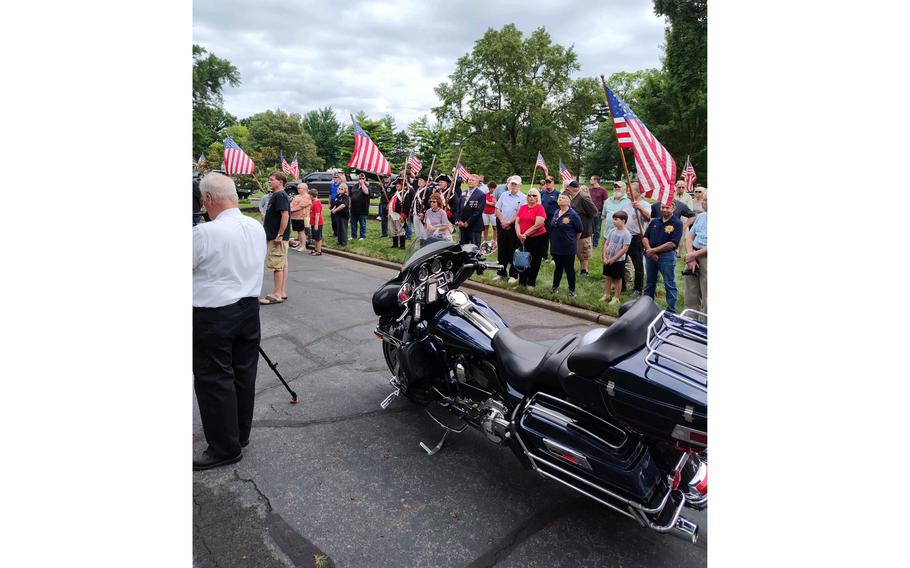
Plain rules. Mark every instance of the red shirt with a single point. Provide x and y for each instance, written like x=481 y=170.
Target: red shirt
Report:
x=316 y=214
x=490 y=207
x=528 y=215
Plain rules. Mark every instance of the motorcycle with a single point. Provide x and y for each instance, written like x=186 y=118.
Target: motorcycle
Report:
x=618 y=414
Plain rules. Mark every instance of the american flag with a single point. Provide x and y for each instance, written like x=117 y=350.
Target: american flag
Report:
x=285 y=166
x=462 y=172
x=564 y=172
x=542 y=164
x=200 y=163
x=366 y=156
x=656 y=167
x=415 y=164
x=689 y=175
x=235 y=160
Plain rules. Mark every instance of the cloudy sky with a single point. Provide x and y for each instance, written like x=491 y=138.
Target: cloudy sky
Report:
x=307 y=54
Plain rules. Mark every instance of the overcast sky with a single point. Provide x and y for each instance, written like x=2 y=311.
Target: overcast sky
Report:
x=303 y=55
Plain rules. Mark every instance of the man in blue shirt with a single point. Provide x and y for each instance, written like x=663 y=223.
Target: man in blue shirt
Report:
x=506 y=210
x=660 y=242
x=548 y=196
x=696 y=273
x=337 y=180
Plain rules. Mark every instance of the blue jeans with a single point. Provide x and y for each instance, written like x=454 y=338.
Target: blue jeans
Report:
x=666 y=266
x=359 y=220
x=598 y=223
x=384 y=219
x=407 y=229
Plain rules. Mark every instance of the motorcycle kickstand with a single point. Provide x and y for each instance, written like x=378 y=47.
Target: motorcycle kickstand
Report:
x=437 y=447
x=393 y=395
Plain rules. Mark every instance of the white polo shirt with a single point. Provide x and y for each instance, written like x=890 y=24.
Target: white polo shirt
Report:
x=509 y=204
x=228 y=258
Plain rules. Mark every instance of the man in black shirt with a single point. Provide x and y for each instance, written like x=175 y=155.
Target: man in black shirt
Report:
x=360 y=207
x=386 y=191
x=277 y=225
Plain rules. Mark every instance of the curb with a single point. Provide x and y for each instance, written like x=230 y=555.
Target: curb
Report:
x=564 y=309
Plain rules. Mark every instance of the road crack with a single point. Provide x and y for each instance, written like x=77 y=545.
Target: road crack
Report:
x=329 y=419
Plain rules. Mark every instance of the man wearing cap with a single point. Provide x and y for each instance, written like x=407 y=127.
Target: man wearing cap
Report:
x=470 y=218
x=696 y=291
x=360 y=207
x=385 y=194
x=506 y=211
x=548 y=197
x=639 y=216
x=337 y=180
x=660 y=243
x=228 y=254
x=587 y=211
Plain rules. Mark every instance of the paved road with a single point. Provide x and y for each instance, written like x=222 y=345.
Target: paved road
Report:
x=336 y=481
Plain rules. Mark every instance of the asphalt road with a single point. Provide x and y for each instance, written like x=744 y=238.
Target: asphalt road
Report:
x=336 y=481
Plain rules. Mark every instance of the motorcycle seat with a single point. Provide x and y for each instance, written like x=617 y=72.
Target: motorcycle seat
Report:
x=626 y=336
x=528 y=365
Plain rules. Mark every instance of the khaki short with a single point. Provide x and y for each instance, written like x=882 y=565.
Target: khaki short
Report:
x=277 y=256
x=585 y=246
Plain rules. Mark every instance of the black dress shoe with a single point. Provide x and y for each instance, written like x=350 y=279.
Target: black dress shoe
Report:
x=208 y=462
x=244 y=443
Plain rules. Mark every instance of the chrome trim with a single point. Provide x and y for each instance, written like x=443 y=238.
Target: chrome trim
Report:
x=464 y=307
x=585 y=493
x=610 y=388
x=687 y=529
x=388 y=337
x=687 y=414
x=683 y=325
x=681 y=432
x=558 y=450
x=557 y=415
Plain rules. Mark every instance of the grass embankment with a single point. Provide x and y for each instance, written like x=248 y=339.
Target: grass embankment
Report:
x=589 y=288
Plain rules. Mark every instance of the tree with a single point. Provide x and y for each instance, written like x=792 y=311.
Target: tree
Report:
x=210 y=75
x=428 y=140
x=326 y=131
x=272 y=132
x=509 y=98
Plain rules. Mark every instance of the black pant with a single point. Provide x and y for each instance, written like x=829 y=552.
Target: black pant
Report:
x=469 y=237
x=334 y=230
x=341 y=230
x=506 y=245
x=636 y=253
x=564 y=262
x=225 y=355
x=535 y=246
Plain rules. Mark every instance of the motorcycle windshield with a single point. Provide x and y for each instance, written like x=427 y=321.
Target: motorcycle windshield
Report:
x=421 y=250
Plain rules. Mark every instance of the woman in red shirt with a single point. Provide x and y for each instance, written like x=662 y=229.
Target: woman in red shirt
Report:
x=532 y=234
x=316 y=223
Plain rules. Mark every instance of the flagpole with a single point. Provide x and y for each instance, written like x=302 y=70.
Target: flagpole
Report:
x=451 y=189
x=622 y=156
x=534 y=173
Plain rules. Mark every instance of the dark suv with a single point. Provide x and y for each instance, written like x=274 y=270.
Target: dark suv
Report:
x=320 y=181
x=242 y=192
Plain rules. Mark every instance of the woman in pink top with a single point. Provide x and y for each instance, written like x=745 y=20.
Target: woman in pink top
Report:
x=530 y=226
x=300 y=215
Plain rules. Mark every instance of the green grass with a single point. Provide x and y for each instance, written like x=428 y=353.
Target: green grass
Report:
x=588 y=289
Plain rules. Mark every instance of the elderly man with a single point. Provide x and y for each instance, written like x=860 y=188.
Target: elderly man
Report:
x=470 y=217
x=277 y=225
x=587 y=211
x=660 y=243
x=696 y=273
x=548 y=197
x=360 y=207
x=227 y=276
x=506 y=210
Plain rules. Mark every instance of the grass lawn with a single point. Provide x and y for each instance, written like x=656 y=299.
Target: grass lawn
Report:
x=588 y=289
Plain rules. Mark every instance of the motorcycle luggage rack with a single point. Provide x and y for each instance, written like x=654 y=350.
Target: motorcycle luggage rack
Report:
x=666 y=351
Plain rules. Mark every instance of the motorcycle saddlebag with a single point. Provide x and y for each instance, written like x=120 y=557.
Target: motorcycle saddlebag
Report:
x=585 y=451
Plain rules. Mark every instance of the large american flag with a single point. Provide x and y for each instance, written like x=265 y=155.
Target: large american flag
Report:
x=235 y=160
x=564 y=172
x=366 y=156
x=415 y=164
x=689 y=175
x=285 y=166
x=462 y=172
x=656 y=167
x=542 y=164
x=200 y=163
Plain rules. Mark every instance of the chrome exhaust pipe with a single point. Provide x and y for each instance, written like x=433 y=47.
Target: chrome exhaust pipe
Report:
x=686 y=529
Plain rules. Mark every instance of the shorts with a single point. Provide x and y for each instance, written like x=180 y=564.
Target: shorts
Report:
x=489 y=219
x=316 y=233
x=585 y=245
x=277 y=256
x=298 y=225
x=615 y=270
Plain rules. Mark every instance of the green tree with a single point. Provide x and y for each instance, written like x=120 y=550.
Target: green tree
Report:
x=509 y=98
x=210 y=75
x=428 y=140
x=272 y=132
x=324 y=128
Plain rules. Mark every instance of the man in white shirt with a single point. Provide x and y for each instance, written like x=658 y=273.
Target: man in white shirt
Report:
x=228 y=254
x=506 y=210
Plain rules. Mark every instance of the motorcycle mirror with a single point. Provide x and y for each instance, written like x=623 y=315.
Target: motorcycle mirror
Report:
x=487 y=247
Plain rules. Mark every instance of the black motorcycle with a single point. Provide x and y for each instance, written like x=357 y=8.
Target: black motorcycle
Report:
x=619 y=414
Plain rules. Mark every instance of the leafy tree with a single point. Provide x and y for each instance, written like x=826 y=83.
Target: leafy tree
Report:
x=210 y=75
x=324 y=128
x=510 y=97
x=272 y=132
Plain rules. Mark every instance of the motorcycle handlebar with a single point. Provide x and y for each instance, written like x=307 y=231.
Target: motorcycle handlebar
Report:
x=481 y=266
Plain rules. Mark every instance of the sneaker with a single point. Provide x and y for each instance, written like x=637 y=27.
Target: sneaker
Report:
x=379 y=218
x=603 y=298
x=583 y=273
x=363 y=238
x=571 y=293
x=513 y=280
x=636 y=294
x=614 y=301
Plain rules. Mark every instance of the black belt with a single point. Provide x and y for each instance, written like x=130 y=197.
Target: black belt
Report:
x=237 y=303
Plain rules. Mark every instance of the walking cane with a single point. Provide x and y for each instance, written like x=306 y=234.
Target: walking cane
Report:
x=274 y=368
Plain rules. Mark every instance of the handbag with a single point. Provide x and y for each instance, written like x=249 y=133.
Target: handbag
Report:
x=521 y=259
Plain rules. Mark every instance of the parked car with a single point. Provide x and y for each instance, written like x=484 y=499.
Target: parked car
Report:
x=320 y=181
